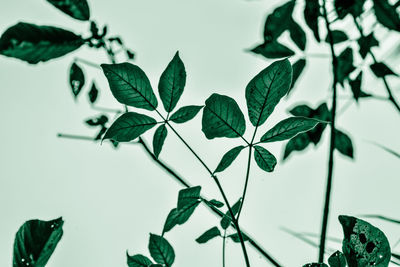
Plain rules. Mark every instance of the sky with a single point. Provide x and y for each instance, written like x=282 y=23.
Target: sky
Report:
x=112 y=199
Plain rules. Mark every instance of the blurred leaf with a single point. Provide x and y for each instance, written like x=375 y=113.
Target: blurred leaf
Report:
x=298 y=35
x=273 y=50
x=311 y=16
x=264 y=159
x=381 y=70
x=228 y=158
x=101 y=120
x=343 y=144
x=185 y=114
x=216 y=203
x=76 y=79
x=337 y=259
x=160 y=250
x=355 y=86
x=266 y=89
x=277 y=22
x=208 y=235
x=130 y=54
x=298 y=143
x=345 y=65
x=366 y=43
x=78 y=9
x=235 y=237
x=130 y=85
x=391 y=151
x=35 y=241
x=222 y=117
x=364 y=244
x=188 y=196
x=345 y=7
x=386 y=14
x=226 y=220
x=302 y=111
x=33 y=43
x=158 y=139
x=138 y=260
x=93 y=93
x=129 y=126
x=315 y=265
x=298 y=68
x=172 y=82
x=100 y=134
x=337 y=36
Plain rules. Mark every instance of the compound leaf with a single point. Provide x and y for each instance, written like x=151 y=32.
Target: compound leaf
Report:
x=273 y=50
x=78 y=9
x=185 y=114
x=138 y=261
x=228 y=158
x=76 y=79
x=343 y=144
x=160 y=250
x=264 y=159
x=386 y=15
x=208 y=235
x=158 y=139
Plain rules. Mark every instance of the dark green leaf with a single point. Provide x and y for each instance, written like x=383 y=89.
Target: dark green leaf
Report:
x=155 y=265
x=76 y=79
x=160 y=250
x=179 y=216
x=185 y=114
x=216 y=203
x=138 y=260
x=387 y=15
x=235 y=237
x=100 y=134
x=343 y=144
x=311 y=16
x=297 y=35
x=101 y=120
x=298 y=68
x=364 y=244
x=381 y=70
x=188 y=196
x=277 y=22
x=266 y=89
x=337 y=36
x=289 y=128
x=355 y=86
x=337 y=259
x=228 y=158
x=264 y=159
x=35 y=241
x=302 y=111
x=33 y=43
x=93 y=93
x=130 y=85
x=78 y=9
x=208 y=235
x=129 y=126
x=345 y=65
x=172 y=82
x=366 y=43
x=353 y=7
x=158 y=139
x=130 y=54
x=298 y=143
x=315 y=265
x=226 y=220
x=222 y=117
x=272 y=50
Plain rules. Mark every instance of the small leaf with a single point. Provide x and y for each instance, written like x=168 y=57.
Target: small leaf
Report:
x=298 y=143
x=264 y=159
x=129 y=126
x=228 y=158
x=35 y=241
x=337 y=259
x=311 y=16
x=345 y=65
x=76 y=79
x=188 y=196
x=387 y=15
x=101 y=120
x=337 y=36
x=343 y=144
x=289 y=128
x=172 y=82
x=222 y=117
x=266 y=89
x=130 y=54
x=355 y=86
x=160 y=250
x=298 y=68
x=93 y=93
x=277 y=22
x=179 y=216
x=273 y=50
x=158 y=139
x=34 y=44
x=226 y=220
x=235 y=237
x=366 y=43
x=185 y=114
x=78 y=9
x=381 y=70
x=208 y=235
x=298 y=35
x=302 y=111
x=130 y=85
x=364 y=244
x=216 y=203
x=138 y=260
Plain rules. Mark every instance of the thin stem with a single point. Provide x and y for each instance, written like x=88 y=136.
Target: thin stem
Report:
x=87 y=62
x=108 y=110
x=223 y=248
x=332 y=141
x=76 y=137
x=245 y=183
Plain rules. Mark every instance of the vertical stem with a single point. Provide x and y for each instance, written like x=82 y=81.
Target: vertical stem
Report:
x=223 y=248
x=332 y=141
x=246 y=182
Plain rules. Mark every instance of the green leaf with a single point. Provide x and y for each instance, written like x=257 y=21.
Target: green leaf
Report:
x=185 y=114
x=160 y=250
x=264 y=159
x=381 y=70
x=314 y=264
x=364 y=244
x=226 y=220
x=298 y=143
x=188 y=196
x=35 y=241
x=179 y=216
x=298 y=68
x=33 y=43
x=337 y=36
x=311 y=16
x=158 y=140
x=78 y=9
x=208 y=235
x=289 y=128
x=235 y=237
x=343 y=144
x=345 y=65
x=93 y=93
x=355 y=86
x=298 y=35
x=222 y=117
x=228 y=158
x=130 y=85
x=277 y=22
x=266 y=89
x=76 y=79
x=129 y=126
x=216 y=203
x=138 y=260
x=366 y=43
x=272 y=50
x=302 y=111
x=345 y=7
x=172 y=82
x=101 y=120
x=386 y=14
x=337 y=259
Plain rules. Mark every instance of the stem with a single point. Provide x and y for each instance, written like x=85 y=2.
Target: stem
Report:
x=245 y=183
x=223 y=248
x=87 y=62
x=332 y=141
